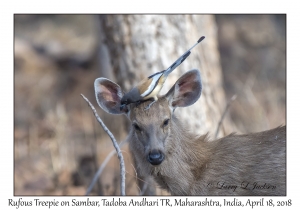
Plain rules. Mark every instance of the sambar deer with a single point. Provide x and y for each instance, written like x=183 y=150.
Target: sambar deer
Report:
x=186 y=164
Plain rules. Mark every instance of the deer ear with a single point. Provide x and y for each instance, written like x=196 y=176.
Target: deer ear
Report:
x=108 y=96
x=186 y=91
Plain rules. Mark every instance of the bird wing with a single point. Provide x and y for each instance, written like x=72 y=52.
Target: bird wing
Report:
x=148 y=86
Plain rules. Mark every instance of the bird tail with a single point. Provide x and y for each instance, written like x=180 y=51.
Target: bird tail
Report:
x=177 y=63
x=181 y=58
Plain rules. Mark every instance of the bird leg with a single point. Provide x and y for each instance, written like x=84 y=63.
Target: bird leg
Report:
x=149 y=105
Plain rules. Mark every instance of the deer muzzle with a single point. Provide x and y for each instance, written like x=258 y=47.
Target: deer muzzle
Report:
x=156 y=157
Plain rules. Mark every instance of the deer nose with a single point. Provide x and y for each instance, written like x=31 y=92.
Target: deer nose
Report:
x=155 y=157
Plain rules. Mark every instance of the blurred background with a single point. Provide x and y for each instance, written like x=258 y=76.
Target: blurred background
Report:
x=58 y=145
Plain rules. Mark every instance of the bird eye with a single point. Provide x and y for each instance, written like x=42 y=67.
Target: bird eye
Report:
x=136 y=127
x=124 y=102
x=166 y=122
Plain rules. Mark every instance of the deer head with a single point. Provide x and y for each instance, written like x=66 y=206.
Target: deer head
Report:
x=151 y=128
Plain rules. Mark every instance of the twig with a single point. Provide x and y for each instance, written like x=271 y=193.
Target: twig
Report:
x=115 y=143
x=101 y=168
x=145 y=186
x=223 y=115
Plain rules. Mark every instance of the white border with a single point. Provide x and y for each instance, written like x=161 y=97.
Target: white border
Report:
x=154 y=6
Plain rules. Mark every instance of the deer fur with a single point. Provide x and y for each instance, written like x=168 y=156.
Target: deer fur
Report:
x=186 y=164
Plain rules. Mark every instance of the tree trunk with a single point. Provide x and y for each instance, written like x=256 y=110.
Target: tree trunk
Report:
x=133 y=47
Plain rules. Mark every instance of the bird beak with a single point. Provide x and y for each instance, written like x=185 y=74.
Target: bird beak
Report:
x=122 y=107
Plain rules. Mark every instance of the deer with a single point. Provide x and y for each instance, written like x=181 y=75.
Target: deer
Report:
x=184 y=163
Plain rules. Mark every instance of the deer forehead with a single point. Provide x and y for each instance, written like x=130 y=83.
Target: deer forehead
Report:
x=157 y=113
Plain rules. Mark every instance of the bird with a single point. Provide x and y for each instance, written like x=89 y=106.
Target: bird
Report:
x=149 y=87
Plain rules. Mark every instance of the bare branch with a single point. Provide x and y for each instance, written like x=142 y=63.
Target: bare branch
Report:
x=224 y=113
x=101 y=168
x=115 y=143
x=144 y=188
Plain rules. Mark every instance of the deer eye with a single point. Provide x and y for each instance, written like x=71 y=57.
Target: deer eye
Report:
x=166 y=122
x=136 y=127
